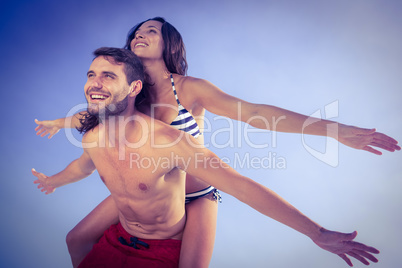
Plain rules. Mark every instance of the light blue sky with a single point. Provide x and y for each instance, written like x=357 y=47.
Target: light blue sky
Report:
x=301 y=55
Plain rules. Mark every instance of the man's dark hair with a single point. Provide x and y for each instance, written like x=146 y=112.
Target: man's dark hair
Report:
x=133 y=69
x=174 y=52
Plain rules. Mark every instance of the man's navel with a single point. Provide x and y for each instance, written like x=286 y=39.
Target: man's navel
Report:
x=143 y=187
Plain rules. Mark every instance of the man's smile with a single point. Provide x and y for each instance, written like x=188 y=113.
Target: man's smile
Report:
x=98 y=97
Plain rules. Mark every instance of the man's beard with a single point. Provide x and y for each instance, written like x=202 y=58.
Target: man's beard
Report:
x=103 y=112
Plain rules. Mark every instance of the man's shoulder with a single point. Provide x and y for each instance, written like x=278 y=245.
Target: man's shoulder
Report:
x=91 y=135
x=165 y=132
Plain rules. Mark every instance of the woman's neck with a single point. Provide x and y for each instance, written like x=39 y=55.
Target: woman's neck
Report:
x=158 y=74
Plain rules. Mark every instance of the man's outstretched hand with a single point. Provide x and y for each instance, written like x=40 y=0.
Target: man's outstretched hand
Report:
x=343 y=245
x=43 y=182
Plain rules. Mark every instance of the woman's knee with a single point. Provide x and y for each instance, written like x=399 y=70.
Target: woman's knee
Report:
x=73 y=239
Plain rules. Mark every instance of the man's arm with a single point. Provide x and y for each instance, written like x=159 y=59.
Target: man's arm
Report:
x=208 y=167
x=75 y=171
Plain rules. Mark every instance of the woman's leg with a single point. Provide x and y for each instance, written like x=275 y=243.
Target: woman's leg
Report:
x=199 y=232
x=89 y=230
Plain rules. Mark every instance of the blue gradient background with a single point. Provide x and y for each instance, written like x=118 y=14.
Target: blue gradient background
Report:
x=299 y=55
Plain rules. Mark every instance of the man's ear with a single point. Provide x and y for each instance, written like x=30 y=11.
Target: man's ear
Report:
x=135 y=88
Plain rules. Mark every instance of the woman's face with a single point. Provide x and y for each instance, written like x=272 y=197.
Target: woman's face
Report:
x=148 y=42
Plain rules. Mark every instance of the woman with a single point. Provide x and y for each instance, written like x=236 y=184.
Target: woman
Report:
x=161 y=49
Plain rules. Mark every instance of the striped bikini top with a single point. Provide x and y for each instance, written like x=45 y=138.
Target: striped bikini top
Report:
x=184 y=120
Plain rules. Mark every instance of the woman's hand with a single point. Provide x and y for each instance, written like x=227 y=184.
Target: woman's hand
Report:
x=46 y=127
x=366 y=139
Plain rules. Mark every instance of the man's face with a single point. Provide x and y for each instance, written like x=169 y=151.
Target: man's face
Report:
x=106 y=88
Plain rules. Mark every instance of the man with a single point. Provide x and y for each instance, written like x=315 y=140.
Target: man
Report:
x=119 y=142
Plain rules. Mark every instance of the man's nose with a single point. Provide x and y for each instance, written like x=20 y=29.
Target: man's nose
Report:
x=96 y=83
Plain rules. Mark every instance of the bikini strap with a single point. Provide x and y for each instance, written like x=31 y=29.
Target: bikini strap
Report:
x=174 y=89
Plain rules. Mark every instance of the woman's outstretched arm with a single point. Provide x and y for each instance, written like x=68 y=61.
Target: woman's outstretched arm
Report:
x=51 y=127
x=273 y=118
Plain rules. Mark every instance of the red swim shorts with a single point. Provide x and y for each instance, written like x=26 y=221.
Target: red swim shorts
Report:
x=118 y=249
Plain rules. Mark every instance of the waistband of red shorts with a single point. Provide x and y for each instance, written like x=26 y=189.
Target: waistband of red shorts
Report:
x=151 y=242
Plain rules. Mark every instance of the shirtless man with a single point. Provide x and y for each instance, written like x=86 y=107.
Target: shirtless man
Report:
x=118 y=138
